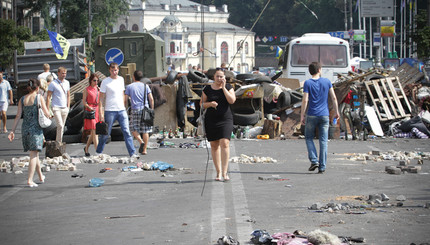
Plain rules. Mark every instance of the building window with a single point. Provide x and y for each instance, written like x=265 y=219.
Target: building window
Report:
x=172 y=47
x=122 y=27
x=198 y=46
x=246 y=47
x=133 y=48
x=238 y=46
x=224 y=52
x=189 y=48
x=135 y=27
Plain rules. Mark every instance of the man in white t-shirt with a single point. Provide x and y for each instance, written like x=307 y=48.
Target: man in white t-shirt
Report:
x=112 y=108
x=46 y=72
x=6 y=98
x=59 y=97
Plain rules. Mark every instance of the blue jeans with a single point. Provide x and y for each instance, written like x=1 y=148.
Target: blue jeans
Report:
x=312 y=122
x=122 y=118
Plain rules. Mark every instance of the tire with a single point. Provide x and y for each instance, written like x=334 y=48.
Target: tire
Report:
x=245 y=76
x=71 y=131
x=76 y=122
x=75 y=109
x=374 y=77
x=262 y=79
x=284 y=100
x=295 y=97
x=246 y=119
x=73 y=138
x=197 y=76
x=171 y=77
x=228 y=74
x=116 y=131
x=50 y=132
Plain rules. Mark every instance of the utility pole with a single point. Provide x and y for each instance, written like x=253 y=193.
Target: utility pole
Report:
x=346 y=15
x=351 y=39
x=58 y=16
x=90 y=29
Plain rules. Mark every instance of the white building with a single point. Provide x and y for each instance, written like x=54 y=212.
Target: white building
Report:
x=179 y=24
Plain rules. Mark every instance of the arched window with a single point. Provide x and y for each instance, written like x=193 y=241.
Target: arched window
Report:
x=189 y=48
x=238 y=45
x=172 y=47
x=135 y=27
x=122 y=27
x=224 y=52
x=246 y=48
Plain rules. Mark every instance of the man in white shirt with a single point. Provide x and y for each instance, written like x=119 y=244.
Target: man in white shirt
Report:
x=59 y=96
x=112 y=108
x=6 y=98
x=46 y=72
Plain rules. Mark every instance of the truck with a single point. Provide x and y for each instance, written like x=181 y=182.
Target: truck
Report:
x=331 y=52
x=30 y=64
x=126 y=47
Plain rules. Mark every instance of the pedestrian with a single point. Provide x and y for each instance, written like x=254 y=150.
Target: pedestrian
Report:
x=316 y=92
x=140 y=96
x=90 y=100
x=6 y=98
x=59 y=97
x=112 y=108
x=46 y=72
x=31 y=132
x=218 y=123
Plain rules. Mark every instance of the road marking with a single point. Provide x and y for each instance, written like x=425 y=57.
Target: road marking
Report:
x=9 y=193
x=240 y=203
x=218 y=216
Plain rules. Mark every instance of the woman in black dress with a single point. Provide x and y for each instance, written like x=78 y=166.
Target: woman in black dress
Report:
x=216 y=99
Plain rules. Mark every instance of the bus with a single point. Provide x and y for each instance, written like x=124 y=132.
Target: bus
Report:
x=331 y=52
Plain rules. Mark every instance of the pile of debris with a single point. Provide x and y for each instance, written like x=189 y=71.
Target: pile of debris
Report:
x=62 y=163
x=377 y=156
x=245 y=159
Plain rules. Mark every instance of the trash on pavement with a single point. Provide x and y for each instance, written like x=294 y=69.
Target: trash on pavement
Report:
x=96 y=182
x=162 y=166
x=227 y=240
x=255 y=159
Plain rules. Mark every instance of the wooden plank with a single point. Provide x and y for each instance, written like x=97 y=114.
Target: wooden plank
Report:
x=396 y=99
x=404 y=97
x=367 y=84
x=381 y=97
x=390 y=95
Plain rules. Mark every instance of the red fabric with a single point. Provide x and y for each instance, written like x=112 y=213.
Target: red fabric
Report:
x=348 y=98
x=91 y=101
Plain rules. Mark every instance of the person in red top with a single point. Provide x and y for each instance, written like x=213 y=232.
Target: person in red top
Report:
x=91 y=100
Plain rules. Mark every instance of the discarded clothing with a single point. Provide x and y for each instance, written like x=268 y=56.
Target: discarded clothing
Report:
x=288 y=239
x=162 y=166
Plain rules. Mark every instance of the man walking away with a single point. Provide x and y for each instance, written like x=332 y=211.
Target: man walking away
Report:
x=112 y=108
x=6 y=98
x=316 y=91
x=46 y=72
x=140 y=96
x=59 y=96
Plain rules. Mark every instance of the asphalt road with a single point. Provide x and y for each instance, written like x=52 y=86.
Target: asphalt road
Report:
x=153 y=207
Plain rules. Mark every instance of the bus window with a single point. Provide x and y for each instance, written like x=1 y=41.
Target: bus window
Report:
x=303 y=55
x=327 y=55
x=333 y=55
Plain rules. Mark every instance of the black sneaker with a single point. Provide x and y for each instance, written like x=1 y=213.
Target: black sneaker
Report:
x=321 y=171
x=141 y=148
x=313 y=167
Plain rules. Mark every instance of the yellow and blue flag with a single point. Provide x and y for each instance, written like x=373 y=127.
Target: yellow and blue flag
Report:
x=60 y=45
x=279 y=52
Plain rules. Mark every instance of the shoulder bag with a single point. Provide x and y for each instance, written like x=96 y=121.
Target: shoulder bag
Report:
x=44 y=122
x=147 y=113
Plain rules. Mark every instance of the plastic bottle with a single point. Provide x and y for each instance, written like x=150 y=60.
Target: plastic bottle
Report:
x=96 y=182
x=334 y=121
x=247 y=132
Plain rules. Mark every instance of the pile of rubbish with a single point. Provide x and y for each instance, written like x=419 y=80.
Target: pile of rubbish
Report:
x=377 y=156
x=245 y=159
x=61 y=163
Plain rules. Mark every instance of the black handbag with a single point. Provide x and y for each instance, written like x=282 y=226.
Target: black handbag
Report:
x=89 y=114
x=101 y=128
x=147 y=113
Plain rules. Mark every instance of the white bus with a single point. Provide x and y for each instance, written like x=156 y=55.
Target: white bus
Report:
x=331 y=52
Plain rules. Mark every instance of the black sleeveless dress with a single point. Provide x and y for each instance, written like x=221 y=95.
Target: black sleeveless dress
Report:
x=219 y=121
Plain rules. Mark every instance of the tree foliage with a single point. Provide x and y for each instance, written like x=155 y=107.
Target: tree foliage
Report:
x=12 y=38
x=422 y=35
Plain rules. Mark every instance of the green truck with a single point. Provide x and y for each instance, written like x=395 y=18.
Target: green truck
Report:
x=143 y=49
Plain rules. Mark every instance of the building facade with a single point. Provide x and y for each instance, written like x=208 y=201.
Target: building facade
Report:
x=194 y=34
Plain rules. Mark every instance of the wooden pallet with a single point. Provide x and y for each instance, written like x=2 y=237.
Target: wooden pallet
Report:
x=407 y=74
x=388 y=98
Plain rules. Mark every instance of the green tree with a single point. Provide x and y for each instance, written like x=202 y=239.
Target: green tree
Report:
x=11 y=39
x=422 y=35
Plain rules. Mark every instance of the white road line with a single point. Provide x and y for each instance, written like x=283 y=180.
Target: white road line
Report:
x=9 y=193
x=218 y=216
x=240 y=203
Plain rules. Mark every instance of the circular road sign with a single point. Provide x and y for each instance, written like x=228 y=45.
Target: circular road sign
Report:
x=114 y=55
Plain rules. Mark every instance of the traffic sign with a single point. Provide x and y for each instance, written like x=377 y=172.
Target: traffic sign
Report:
x=114 y=55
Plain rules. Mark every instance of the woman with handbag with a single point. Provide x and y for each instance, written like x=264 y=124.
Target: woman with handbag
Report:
x=90 y=100
x=31 y=131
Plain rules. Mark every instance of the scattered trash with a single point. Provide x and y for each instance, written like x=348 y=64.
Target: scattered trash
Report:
x=227 y=240
x=254 y=159
x=104 y=170
x=273 y=177
x=77 y=176
x=96 y=182
x=260 y=237
x=162 y=166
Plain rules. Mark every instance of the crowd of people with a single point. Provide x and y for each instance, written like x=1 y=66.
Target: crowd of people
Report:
x=108 y=103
